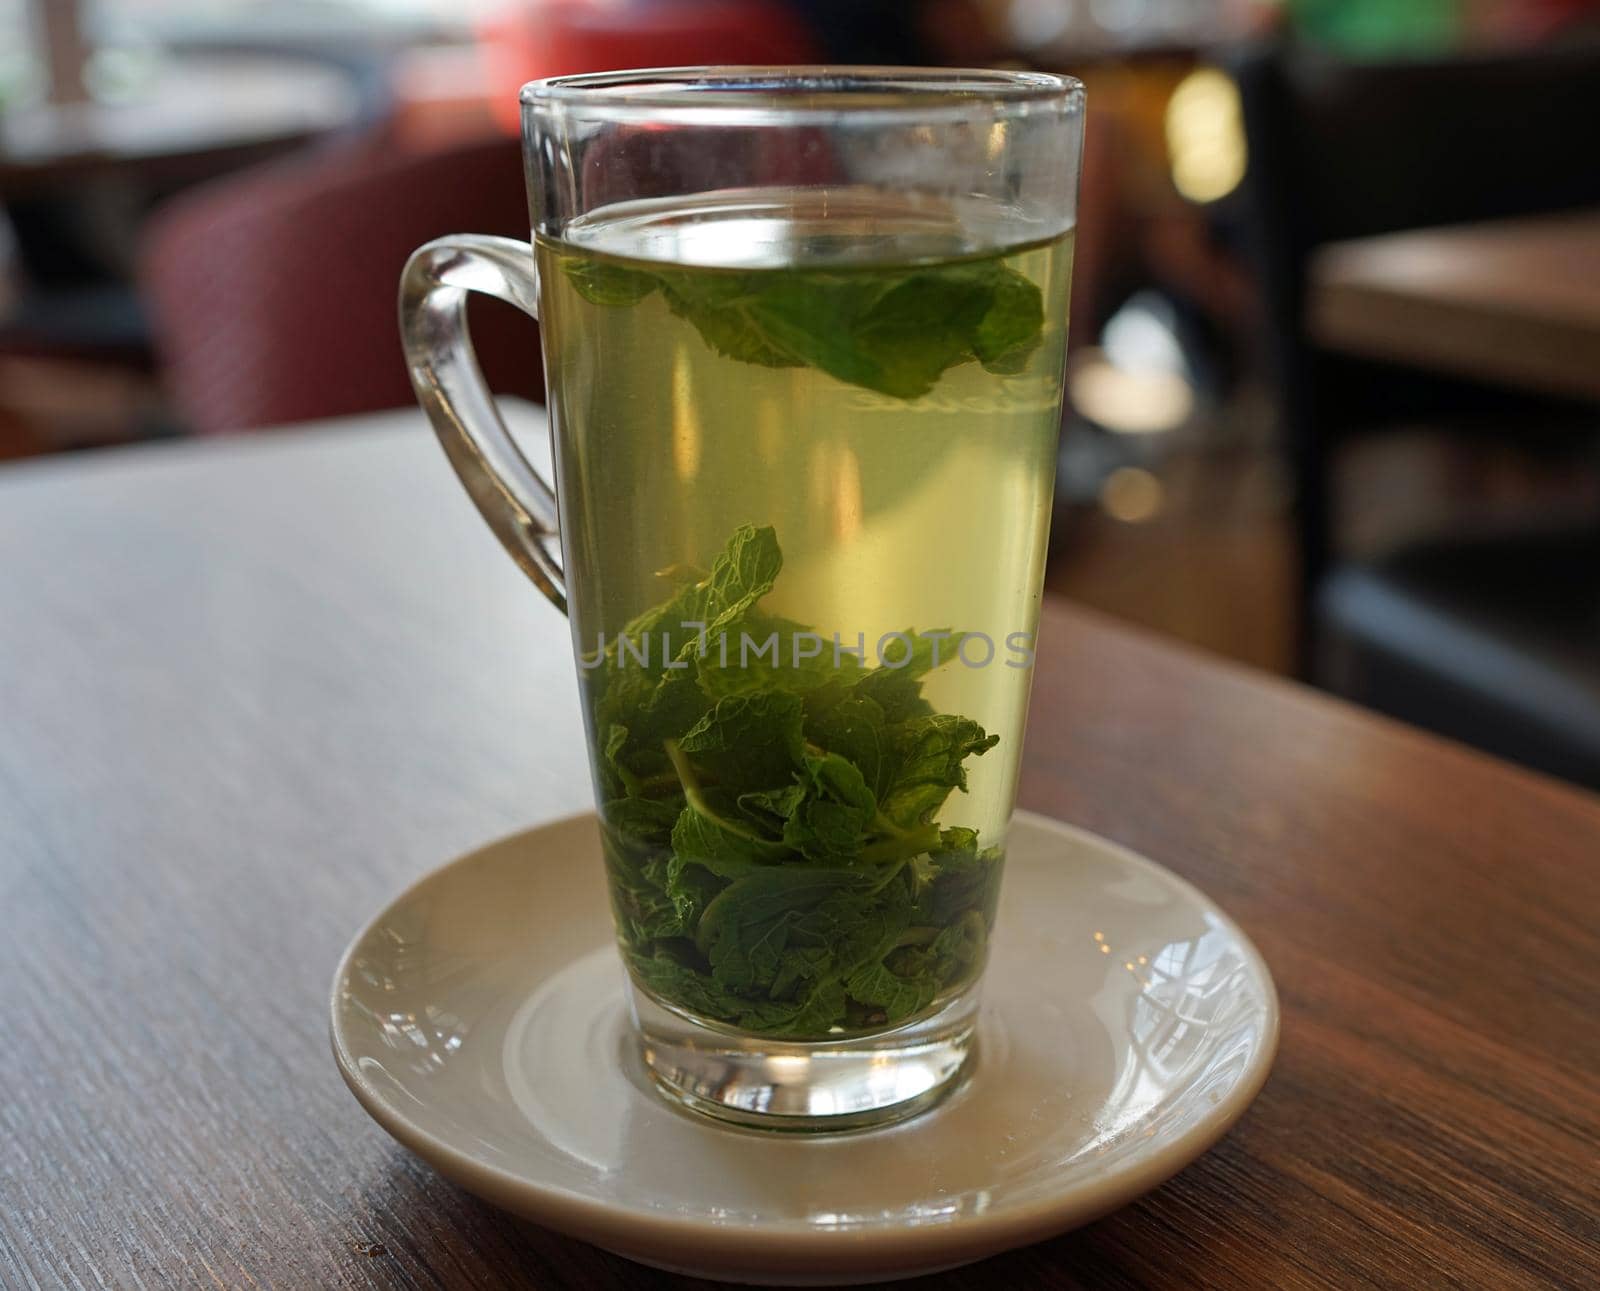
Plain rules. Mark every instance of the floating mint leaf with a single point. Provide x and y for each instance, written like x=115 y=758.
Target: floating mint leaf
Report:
x=601 y=283
x=894 y=330
x=1013 y=326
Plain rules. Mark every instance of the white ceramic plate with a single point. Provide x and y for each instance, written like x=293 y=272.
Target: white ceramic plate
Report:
x=1127 y=1024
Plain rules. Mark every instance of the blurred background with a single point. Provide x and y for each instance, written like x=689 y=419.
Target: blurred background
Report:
x=1334 y=399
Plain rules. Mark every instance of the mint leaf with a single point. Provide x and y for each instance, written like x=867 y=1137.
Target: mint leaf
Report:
x=896 y=685
x=645 y=912
x=691 y=886
x=854 y=728
x=899 y=996
x=718 y=307
x=773 y=894
x=601 y=283
x=895 y=334
x=761 y=650
x=1013 y=326
x=914 y=332
x=720 y=844
x=639 y=822
x=930 y=751
x=741 y=576
x=694 y=989
x=749 y=741
x=783 y=925
x=769 y=832
x=964 y=878
x=893 y=330
x=830 y=822
x=772 y=807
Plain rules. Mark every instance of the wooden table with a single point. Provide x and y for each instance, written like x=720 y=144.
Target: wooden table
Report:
x=1515 y=301
x=249 y=688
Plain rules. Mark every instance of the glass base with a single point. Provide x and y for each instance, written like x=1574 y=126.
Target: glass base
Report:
x=821 y=1086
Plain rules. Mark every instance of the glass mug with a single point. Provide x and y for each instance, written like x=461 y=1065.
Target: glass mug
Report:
x=804 y=332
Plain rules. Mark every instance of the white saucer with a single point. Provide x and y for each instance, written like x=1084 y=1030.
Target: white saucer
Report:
x=1127 y=1024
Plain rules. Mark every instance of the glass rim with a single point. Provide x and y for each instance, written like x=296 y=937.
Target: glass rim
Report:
x=757 y=94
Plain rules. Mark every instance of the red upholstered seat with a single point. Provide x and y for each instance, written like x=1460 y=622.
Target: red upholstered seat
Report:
x=272 y=293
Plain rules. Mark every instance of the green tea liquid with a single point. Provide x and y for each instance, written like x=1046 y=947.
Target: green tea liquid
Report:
x=797 y=362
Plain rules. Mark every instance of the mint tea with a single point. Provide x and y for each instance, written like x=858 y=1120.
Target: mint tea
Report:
x=807 y=443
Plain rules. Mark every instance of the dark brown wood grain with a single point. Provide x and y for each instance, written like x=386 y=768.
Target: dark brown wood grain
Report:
x=249 y=689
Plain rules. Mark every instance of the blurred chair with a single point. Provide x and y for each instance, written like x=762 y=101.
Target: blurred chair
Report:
x=272 y=293
x=1490 y=638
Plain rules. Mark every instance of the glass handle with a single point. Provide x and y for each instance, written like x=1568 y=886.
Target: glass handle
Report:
x=518 y=503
